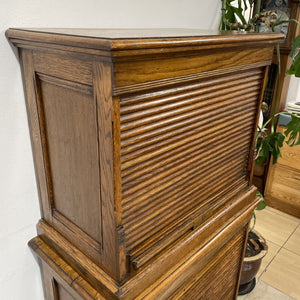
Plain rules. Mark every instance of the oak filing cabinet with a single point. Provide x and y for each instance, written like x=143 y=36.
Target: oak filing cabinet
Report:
x=143 y=147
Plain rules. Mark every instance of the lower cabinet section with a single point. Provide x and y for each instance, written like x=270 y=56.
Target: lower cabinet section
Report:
x=209 y=272
x=216 y=280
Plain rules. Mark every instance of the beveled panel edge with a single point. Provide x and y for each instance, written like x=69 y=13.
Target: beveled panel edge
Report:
x=68 y=84
x=58 y=220
x=67 y=275
x=117 y=91
x=30 y=92
x=75 y=258
x=73 y=231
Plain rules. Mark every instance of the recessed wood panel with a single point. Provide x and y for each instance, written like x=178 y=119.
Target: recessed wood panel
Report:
x=69 y=121
x=61 y=292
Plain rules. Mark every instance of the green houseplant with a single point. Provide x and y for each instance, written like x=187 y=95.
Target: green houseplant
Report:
x=268 y=142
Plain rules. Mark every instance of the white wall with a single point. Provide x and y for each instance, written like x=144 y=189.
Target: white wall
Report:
x=19 y=273
x=293 y=94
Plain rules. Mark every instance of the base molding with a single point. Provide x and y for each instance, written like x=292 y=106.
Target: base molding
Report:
x=189 y=277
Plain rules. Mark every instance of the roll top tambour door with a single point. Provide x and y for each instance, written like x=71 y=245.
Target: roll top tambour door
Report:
x=180 y=147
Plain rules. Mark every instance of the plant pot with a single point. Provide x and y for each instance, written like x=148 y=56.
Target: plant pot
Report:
x=251 y=266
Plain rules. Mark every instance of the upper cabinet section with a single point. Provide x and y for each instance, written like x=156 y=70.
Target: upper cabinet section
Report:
x=139 y=41
x=147 y=58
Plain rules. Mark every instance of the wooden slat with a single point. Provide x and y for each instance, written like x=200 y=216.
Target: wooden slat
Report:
x=176 y=156
x=136 y=241
x=188 y=150
x=231 y=189
x=190 y=124
x=181 y=207
x=205 y=104
x=148 y=166
x=167 y=240
x=161 y=149
x=191 y=165
x=147 y=100
x=183 y=179
x=238 y=146
x=183 y=102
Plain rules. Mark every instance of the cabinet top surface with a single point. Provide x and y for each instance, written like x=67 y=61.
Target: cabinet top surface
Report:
x=154 y=33
x=120 y=39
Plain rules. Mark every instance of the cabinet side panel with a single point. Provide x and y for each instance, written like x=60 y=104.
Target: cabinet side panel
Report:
x=28 y=76
x=71 y=131
x=70 y=128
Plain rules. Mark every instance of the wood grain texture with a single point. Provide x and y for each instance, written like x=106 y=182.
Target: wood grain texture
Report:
x=156 y=125
x=69 y=123
x=172 y=278
x=161 y=67
x=62 y=66
x=138 y=39
x=60 y=280
x=283 y=182
x=29 y=84
x=159 y=280
x=143 y=149
x=229 y=264
x=76 y=259
x=114 y=256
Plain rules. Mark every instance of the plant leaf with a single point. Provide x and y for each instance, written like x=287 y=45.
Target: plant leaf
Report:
x=295 y=66
x=239 y=13
x=230 y=16
x=293 y=131
x=263 y=203
x=268 y=146
x=295 y=46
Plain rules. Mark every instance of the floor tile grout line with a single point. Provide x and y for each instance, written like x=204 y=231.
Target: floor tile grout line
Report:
x=266 y=267
x=290 y=235
x=288 y=239
x=285 y=215
x=277 y=289
x=280 y=247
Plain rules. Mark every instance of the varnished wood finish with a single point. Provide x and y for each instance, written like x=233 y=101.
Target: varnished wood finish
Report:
x=283 y=183
x=143 y=146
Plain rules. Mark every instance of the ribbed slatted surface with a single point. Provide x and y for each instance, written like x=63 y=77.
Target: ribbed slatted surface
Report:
x=220 y=278
x=180 y=147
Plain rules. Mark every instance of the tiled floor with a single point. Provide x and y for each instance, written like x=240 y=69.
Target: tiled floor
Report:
x=279 y=275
